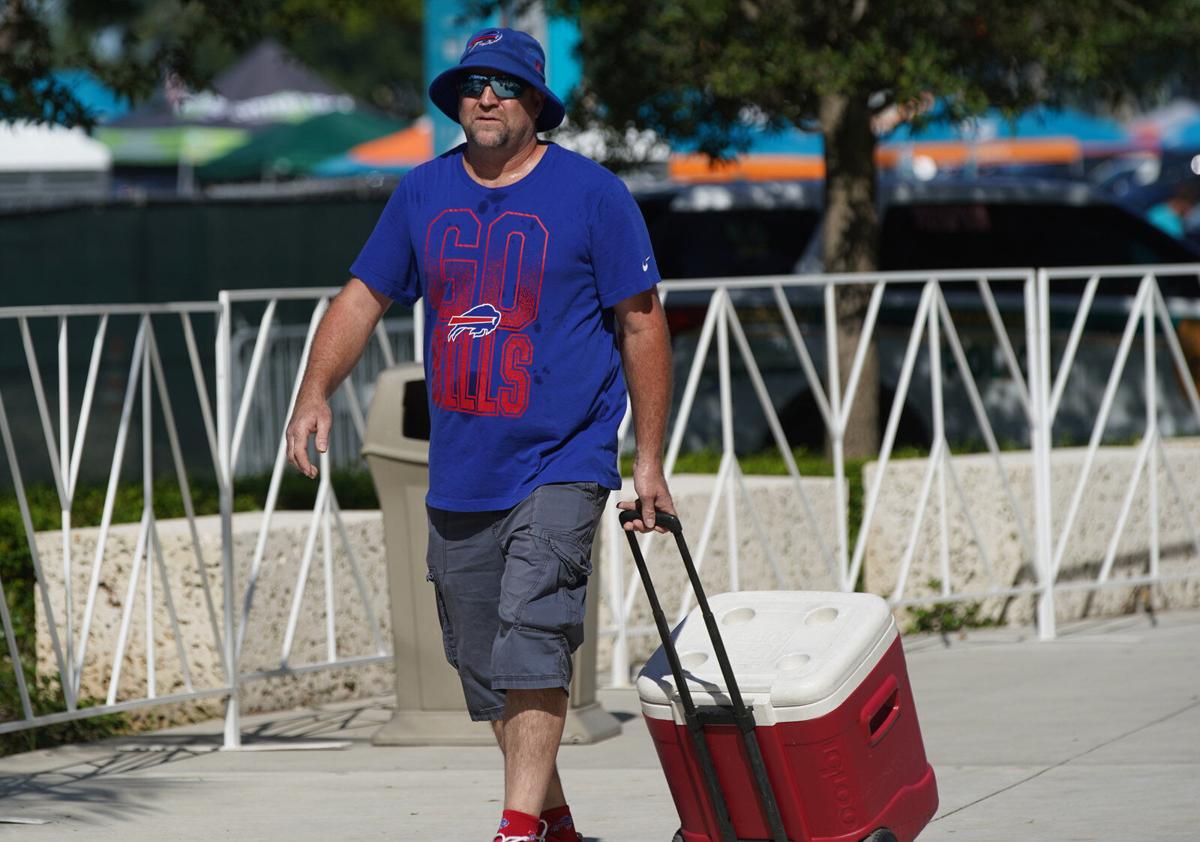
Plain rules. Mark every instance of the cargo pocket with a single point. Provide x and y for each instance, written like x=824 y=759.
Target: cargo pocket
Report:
x=574 y=557
x=444 y=620
x=575 y=566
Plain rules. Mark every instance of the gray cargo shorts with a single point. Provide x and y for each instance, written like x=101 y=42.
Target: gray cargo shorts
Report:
x=511 y=588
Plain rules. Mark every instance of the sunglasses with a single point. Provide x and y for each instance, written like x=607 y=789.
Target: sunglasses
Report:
x=504 y=87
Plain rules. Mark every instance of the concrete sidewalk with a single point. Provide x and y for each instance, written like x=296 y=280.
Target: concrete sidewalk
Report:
x=1095 y=736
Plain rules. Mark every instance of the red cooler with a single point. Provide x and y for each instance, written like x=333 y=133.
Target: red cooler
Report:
x=815 y=740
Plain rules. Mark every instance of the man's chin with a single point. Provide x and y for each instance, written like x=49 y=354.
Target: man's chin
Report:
x=487 y=136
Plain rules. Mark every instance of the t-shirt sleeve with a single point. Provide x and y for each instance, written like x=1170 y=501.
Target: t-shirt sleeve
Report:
x=621 y=255
x=387 y=263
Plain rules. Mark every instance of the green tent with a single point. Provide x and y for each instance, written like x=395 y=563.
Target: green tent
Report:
x=292 y=149
x=169 y=145
x=176 y=127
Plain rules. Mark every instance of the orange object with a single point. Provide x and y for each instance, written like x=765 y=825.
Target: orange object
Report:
x=699 y=167
x=410 y=146
x=1059 y=150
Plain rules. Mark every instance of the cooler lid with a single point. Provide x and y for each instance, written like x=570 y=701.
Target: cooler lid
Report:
x=790 y=648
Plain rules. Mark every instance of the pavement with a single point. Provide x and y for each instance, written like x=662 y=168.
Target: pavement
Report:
x=1094 y=736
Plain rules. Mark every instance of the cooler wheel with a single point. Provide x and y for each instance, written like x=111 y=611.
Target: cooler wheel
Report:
x=881 y=835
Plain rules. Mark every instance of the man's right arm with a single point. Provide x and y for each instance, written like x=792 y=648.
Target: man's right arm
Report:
x=339 y=342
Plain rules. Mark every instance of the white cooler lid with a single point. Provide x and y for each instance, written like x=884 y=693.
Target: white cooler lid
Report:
x=787 y=648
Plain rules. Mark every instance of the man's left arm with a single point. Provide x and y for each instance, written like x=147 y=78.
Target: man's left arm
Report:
x=645 y=347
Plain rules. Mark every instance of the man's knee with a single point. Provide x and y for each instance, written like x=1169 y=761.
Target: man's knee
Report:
x=548 y=699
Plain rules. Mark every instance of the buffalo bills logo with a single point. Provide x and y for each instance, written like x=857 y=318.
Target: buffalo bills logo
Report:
x=479 y=321
x=484 y=40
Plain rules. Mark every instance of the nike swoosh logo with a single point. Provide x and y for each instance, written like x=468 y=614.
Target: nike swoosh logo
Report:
x=646 y=265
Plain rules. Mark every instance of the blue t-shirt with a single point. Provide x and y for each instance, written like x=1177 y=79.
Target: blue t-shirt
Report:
x=521 y=361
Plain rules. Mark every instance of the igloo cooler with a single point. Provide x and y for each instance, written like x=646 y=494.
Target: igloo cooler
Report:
x=815 y=740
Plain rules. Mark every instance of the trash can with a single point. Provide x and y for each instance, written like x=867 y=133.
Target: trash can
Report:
x=430 y=709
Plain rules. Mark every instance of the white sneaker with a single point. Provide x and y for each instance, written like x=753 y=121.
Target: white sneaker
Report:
x=539 y=837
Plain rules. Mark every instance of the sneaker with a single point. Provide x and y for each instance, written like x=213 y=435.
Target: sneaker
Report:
x=540 y=837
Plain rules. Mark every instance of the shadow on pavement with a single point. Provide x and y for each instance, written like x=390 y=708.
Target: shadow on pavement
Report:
x=83 y=781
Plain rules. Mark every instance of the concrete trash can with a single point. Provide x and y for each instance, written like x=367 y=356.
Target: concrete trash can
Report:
x=430 y=709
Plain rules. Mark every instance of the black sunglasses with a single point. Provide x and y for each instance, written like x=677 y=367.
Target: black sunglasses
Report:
x=504 y=87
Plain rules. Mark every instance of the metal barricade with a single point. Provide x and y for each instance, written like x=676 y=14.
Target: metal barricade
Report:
x=1002 y=371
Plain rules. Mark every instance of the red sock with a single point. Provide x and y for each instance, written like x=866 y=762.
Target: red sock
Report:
x=518 y=824
x=561 y=824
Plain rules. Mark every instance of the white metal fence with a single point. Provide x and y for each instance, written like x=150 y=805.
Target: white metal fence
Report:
x=961 y=355
x=120 y=338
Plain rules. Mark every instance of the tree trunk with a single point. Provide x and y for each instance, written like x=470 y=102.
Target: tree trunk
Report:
x=851 y=242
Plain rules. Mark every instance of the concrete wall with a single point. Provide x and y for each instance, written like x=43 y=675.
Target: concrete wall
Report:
x=774 y=498
x=268 y=617
x=788 y=530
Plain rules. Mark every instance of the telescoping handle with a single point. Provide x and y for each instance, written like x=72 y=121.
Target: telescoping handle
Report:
x=695 y=723
x=672 y=524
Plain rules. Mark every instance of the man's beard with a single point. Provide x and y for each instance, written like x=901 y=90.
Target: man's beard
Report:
x=491 y=138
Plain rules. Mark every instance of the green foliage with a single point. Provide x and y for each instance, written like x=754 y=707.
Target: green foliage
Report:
x=370 y=47
x=947 y=617
x=27 y=56
x=696 y=69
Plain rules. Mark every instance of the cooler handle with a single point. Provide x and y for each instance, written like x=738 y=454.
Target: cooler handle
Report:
x=664 y=519
x=743 y=717
x=672 y=524
x=881 y=711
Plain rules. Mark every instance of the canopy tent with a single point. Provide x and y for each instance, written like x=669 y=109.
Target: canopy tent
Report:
x=170 y=146
x=39 y=147
x=393 y=154
x=265 y=87
x=43 y=163
x=291 y=150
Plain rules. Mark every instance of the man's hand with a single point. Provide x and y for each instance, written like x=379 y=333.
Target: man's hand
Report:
x=339 y=342
x=311 y=415
x=651 y=488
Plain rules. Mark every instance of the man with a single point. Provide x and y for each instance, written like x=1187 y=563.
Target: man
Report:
x=539 y=288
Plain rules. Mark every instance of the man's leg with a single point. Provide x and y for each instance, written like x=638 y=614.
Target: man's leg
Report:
x=547 y=542
x=533 y=726
x=555 y=797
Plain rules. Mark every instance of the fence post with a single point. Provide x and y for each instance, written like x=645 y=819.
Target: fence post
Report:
x=64 y=461
x=728 y=450
x=837 y=436
x=1152 y=433
x=224 y=384
x=1037 y=335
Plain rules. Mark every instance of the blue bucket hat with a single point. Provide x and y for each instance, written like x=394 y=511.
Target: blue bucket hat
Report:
x=507 y=51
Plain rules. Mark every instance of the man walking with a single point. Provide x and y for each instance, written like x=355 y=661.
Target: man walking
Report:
x=539 y=292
